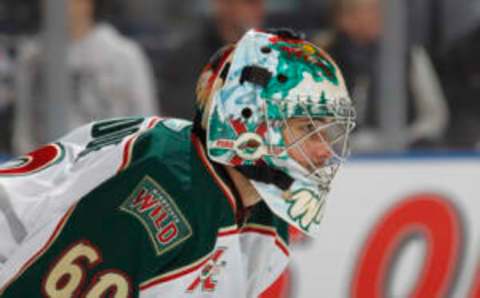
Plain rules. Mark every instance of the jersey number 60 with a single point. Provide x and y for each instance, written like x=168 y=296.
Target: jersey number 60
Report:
x=68 y=275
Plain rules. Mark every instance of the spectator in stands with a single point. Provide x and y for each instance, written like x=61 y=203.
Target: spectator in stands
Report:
x=354 y=44
x=109 y=74
x=230 y=20
x=459 y=70
x=6 y=99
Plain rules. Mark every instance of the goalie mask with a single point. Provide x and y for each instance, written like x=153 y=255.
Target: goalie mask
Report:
x=276 y=108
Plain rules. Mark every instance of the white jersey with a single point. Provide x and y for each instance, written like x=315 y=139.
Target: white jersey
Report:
x=131 y=207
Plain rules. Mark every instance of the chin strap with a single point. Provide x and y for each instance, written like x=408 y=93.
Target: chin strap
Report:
x=265 y=174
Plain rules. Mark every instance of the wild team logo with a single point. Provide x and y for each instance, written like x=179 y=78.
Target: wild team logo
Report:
x=305 y=207
x=164 y=222
x=207 y=281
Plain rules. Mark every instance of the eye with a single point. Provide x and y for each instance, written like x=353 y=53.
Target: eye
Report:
x=307 y=128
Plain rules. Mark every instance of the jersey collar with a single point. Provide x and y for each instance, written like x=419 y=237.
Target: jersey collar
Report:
x=218 y=175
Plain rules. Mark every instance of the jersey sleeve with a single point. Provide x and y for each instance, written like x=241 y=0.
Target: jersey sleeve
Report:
x=42 y=184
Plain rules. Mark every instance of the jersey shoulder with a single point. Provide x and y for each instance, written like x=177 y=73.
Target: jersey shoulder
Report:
x=170 y=138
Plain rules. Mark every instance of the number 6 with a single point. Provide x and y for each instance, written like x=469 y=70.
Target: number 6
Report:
x=68 y=275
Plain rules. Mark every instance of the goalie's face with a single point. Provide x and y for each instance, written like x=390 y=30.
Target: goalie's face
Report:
x=318 y=146
x=307 y=143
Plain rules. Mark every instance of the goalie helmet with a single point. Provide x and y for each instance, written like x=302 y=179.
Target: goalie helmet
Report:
x=249 y=97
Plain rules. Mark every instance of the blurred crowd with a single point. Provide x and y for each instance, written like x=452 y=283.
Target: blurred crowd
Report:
x=143 y=57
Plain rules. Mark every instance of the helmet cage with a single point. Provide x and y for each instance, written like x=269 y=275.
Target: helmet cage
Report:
x=260 y=140
x=331 y=125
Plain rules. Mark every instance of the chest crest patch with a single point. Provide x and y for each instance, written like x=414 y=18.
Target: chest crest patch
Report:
x=165 y=224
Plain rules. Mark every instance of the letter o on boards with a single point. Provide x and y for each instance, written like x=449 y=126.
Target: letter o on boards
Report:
x=435 y=218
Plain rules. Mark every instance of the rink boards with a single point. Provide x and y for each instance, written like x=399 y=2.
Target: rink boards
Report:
x=396 y=227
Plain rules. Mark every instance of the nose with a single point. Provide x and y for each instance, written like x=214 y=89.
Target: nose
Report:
x=319 y=152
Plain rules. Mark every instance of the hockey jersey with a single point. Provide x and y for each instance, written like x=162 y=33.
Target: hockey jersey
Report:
x=131 y=207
